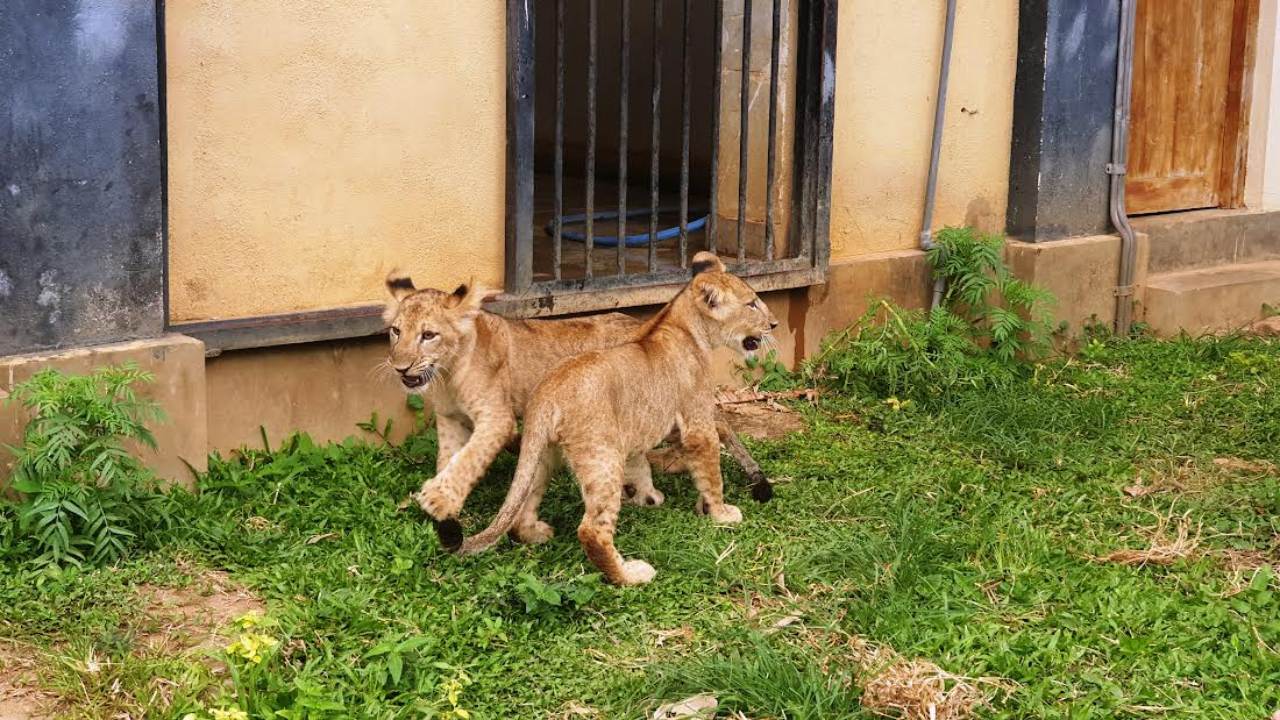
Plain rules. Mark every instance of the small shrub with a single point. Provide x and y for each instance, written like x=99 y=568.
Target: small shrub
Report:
x=1005 y=312
x=893 y=352
x=84 y=497
x=987 y=320
x=766 y=373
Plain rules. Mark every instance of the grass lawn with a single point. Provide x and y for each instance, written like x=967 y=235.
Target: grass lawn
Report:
x=969 y=533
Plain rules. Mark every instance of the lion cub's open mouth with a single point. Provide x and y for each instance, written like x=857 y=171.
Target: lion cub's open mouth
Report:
x=416 y=381
x=751 y=343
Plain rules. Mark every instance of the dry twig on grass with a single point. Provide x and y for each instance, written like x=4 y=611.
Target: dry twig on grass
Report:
x=1163 y=550
x=911 y=689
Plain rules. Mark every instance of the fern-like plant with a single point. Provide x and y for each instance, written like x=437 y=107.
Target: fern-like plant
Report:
x=84 y=497
x=1009 y=314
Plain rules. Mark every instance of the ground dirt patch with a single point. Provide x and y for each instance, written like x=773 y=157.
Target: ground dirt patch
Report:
x=192 y=618
x=20 y=698
x=759 y=415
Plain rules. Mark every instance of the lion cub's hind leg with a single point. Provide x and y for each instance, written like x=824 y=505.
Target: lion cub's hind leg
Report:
x=638 y=483
x=702 y=454
x=600 y=476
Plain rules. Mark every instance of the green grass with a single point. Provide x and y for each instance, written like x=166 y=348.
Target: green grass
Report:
x=964 y=533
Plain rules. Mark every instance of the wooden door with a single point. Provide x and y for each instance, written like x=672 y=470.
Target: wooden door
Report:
x=1191 y=66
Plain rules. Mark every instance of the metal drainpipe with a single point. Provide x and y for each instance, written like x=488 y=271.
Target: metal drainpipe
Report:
x=939 y=116
x=1116 y=169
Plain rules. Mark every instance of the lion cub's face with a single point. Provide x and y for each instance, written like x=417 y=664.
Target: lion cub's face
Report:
x=427 y=328
x=738 y=316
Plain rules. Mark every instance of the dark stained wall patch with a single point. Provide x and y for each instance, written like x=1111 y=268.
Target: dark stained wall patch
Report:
x=81 y=243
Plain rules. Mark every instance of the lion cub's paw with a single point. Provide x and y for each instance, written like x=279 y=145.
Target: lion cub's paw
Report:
x=535 y=534
x=724 y=514
x=637 y=572
x=652 y=497
x=438 y=502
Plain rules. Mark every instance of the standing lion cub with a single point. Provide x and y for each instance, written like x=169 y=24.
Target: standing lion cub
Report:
x=479 y=369
x=603 y=418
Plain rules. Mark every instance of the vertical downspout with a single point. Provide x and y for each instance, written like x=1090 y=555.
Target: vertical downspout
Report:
x=939 y=116
x=1116 y=168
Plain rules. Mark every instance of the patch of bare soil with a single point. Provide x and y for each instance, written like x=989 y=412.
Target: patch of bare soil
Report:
x=195 y=617
x=760 y=415
x=20 y=698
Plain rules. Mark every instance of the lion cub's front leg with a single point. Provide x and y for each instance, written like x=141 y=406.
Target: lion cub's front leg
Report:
x=702 y=456
x=442 y=497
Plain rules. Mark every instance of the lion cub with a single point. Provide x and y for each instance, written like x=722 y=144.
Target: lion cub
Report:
x=604 y=410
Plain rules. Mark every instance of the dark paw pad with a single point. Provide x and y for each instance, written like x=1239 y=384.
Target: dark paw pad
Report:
x=703 y=508
x=449 y=531
x=650 y=501
x=629 y=490
x=762 y=490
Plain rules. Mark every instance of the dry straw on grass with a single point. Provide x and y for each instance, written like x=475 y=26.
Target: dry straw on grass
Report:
x=1163 y=549
x=910 y=688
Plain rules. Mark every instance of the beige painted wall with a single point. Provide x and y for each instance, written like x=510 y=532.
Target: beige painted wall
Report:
x=886 y=82
x=315 y=145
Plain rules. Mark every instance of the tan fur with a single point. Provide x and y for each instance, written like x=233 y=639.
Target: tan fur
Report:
x=596 y=413
x=479 y=370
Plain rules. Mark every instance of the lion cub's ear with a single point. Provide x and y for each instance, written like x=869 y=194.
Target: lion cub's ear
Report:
x=706 y=261
x=399 y=286
x=468 y=297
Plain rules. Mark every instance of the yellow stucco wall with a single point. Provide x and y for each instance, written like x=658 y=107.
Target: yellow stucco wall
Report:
x=314 y=145
x=886 y=82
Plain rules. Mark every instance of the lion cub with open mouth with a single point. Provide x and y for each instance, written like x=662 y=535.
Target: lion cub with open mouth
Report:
x=606 y=408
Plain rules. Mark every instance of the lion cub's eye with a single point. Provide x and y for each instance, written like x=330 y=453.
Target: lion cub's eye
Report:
x=427 y=335
x=754 y=304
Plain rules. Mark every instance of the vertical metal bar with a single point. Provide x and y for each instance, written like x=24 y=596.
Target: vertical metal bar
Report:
x=713 y=189
x=591 y=134
x=656 y=135
x=826 y=135
x=808 y=83
x=745 y=108
x=773 y=129
x=559 y=219
x=624 y=72
x=684 y=141
x=520 y=86
x=162 y=103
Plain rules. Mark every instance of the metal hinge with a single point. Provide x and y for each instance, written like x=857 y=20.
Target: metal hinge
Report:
x=1124 y=290
x=1115 y=169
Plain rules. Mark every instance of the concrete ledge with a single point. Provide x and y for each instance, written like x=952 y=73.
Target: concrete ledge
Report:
x=1210 y=238
x=322 y=388
x=1217 y=299
x=1080 y=272
x=176 y=361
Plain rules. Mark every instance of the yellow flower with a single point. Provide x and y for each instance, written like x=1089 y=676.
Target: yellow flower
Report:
x=250 y=646
x=250 y=620
x=230 y=714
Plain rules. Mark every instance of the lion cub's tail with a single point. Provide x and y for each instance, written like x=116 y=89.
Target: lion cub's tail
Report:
x=533 y=444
